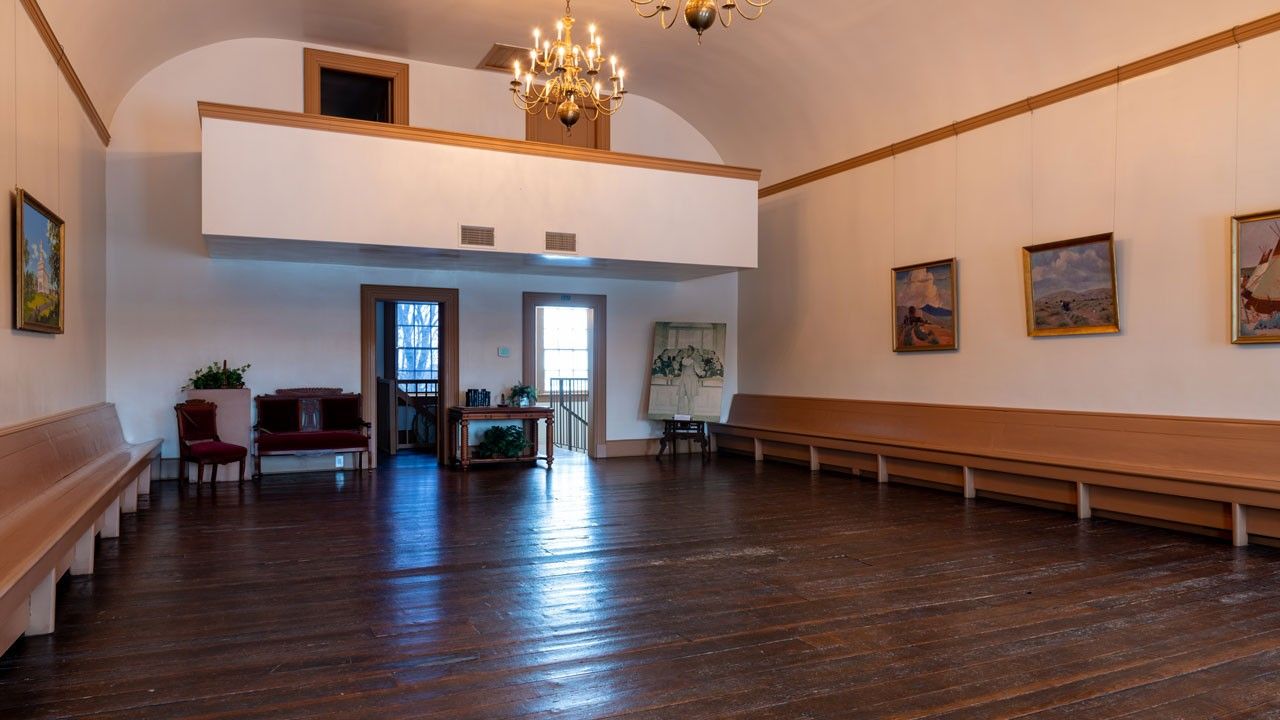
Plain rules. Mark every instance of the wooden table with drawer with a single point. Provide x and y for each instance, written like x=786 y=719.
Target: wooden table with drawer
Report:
x=460 y=419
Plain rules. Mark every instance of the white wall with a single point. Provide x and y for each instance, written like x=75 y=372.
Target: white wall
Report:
x=49 y=148
x=171 y=308
x=1155 y=160
x=268 y=182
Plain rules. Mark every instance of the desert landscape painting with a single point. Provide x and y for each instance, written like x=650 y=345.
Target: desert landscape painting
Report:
x=1071 y=287
x=1255 y=311
x=925 y=307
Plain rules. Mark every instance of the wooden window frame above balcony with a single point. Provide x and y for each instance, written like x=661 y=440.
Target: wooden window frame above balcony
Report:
x=314 y=61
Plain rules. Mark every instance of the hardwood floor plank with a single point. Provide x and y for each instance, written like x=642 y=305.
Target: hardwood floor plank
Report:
x=631 y=588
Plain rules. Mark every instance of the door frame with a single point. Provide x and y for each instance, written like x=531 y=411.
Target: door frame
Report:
x=447 y=299
x=599 y=342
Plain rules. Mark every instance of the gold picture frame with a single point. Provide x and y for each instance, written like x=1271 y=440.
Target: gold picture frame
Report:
x=39 y=268
x=1255 y=308
x=1070 y=287
x=926 y=306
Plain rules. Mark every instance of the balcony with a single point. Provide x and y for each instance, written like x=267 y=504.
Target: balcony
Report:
x=296 y=187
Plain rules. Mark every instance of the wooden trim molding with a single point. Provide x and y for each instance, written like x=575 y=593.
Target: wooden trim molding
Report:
x=599 y=304
x=1159 y=61
x=480 y=142
x=449 y=367
x=64 y=65
x=313 y=61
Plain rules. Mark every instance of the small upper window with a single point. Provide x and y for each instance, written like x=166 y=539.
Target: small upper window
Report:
x=359 y=88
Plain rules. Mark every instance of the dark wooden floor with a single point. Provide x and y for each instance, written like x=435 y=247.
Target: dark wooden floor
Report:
x=648 y=591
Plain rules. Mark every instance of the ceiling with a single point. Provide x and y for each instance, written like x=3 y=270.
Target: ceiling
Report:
x=813 y=82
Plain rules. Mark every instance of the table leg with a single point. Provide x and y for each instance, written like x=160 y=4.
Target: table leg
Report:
x=464 y=444
x=551 y=441
x=531 y=432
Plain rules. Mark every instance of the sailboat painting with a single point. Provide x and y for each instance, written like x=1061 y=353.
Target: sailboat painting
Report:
x=1255 y=278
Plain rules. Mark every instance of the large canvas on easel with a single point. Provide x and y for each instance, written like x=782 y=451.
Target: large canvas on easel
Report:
x=686 y=371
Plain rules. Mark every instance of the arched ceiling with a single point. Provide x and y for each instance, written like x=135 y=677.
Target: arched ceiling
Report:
x=813 y=82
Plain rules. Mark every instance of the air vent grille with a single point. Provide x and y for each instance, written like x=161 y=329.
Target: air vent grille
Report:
x=477 y=236
x=562 y=242
x=500 y=57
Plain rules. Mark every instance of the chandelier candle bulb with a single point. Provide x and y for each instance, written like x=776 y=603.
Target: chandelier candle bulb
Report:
x=570 y=72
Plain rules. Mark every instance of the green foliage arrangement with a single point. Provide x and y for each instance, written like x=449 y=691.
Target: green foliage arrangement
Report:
x=523 y=394
x=218 y=377
x=503 y=441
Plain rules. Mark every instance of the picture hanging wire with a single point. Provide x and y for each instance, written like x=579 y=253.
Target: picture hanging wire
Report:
x=1031 y=186
x=893 y=206
x=1115 y=159
x=955 y=220
x=1235 y=190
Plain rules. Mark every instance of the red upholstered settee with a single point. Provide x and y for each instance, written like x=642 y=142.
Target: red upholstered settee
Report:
x=301 y=421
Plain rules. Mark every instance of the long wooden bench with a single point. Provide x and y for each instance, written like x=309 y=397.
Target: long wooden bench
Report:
x=63 y=480
x=1217 y=475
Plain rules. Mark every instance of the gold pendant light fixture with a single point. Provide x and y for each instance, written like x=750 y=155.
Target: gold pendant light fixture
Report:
x=569 y=73
x=699 y=14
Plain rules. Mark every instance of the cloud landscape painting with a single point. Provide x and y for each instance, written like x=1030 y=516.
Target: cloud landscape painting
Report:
x=925 y=307
x=1071 y=287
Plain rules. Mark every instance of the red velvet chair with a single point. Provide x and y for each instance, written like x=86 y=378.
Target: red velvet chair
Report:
x=198 y=441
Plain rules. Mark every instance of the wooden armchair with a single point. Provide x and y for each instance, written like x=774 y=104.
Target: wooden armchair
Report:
x=198 y=441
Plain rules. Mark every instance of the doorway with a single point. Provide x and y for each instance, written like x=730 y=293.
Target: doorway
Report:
x=564 y=358
x=408 y=341
x=409 y=366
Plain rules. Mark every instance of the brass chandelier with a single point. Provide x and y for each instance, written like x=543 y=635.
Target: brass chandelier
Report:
x=572 y=86
x=699 y=14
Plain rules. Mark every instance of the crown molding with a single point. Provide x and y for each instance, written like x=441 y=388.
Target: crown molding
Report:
x=1159 y=61
x=64 y=64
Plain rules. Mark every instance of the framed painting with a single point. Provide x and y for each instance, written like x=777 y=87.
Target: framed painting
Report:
x=1071 y=287
x=926 y=307
x=686 y=371
x=1255 y=278
x=39 y=266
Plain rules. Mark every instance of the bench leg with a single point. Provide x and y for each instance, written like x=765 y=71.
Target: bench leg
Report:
x=40 y=610
x=129 y=498
x=82 y=558
x=969 y=490
x=882 y=469
x=1239 y=528
x=814 y=465
x=110 y=522
x=144 y=481
x=759 y=448
x=1084 y=510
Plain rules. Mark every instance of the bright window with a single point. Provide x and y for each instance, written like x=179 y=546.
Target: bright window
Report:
x=566 y=351
x=417 y=341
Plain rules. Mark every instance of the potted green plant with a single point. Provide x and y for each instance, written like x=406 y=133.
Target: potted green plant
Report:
x=523 y=395
x=502 y=441
x=217 y=377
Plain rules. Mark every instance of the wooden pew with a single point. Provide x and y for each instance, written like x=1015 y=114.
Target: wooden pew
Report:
x=63 y=480
x=1219 y=475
